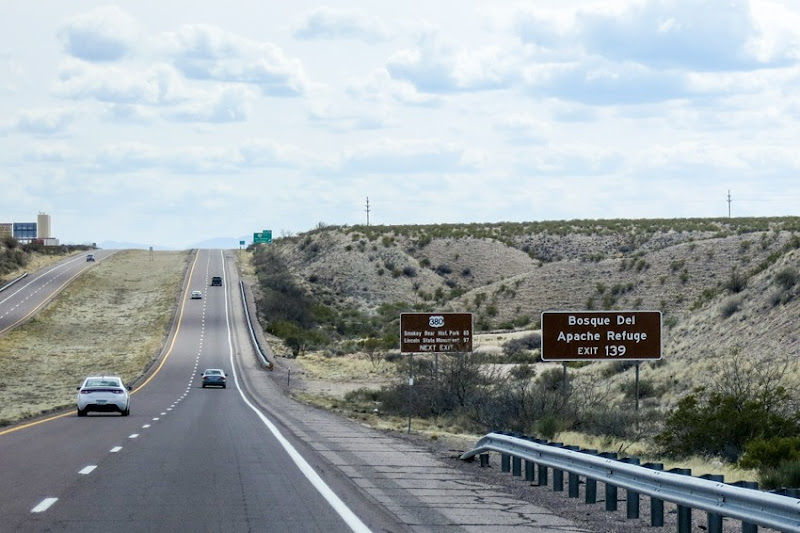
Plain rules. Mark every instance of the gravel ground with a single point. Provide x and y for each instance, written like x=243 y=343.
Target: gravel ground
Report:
x=590 y=516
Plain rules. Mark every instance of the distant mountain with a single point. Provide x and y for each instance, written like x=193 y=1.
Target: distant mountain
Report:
x=223 y=242
x=118 y=245
x=218 y=242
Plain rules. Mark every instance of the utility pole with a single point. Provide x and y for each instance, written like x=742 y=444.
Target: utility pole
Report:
x=729 y=203
x=367 y=210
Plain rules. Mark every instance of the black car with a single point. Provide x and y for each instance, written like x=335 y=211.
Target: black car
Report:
x=213 y=377
x=216 y=281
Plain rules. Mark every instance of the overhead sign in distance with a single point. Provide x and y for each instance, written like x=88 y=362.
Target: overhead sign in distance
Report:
x=601 y=335
x=264 y=237
x=435 y=332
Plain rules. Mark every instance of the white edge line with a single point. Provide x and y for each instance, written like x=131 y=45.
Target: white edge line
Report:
x=338 y=505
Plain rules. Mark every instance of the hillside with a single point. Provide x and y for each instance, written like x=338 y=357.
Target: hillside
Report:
x=723 y=285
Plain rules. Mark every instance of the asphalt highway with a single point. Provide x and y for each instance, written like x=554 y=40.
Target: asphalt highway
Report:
x=242 y=458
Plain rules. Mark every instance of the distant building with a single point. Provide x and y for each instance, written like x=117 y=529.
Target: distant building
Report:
x=43 y=229
x=27 y=232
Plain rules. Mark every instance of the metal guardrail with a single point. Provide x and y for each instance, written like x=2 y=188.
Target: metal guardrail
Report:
x=753 y=507
x=13 y=281
x=264 y=361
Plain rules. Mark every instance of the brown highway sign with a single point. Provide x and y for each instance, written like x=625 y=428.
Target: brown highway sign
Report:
x=435 y=332
x=601 y=335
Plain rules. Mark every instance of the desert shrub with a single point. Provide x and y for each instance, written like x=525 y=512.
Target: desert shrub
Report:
x=736 y=282
x=785 y=475
x=409 y=271
x=746 y=401
x=786 y=278
x=730 y=306
x=516 y=346
x=647 y=389
x=443 y=269
x=762 y=454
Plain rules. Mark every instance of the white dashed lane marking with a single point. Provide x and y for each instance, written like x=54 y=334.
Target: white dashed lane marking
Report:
x=44 y=505
x=87 y=469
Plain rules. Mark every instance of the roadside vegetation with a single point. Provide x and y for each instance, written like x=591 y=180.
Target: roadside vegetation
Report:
x=712 y=279
x=15 y=258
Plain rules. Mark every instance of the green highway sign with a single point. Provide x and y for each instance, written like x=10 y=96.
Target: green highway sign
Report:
x=264 y=237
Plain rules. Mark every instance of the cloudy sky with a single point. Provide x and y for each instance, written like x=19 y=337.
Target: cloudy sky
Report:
x=167 y=122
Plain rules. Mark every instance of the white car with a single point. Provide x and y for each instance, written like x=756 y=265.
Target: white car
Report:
x=103 y=393
x=197 y=295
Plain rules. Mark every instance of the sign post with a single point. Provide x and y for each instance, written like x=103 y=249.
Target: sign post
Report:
x=433 y=333
x=601 y=336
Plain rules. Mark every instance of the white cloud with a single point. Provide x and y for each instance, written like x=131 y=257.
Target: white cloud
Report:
x=409 y=157
x=155 y=85
x=437 y=67
x=205 y=52
x=328 y=23
x=103 y=34
x=226 y=104
x=43 y=122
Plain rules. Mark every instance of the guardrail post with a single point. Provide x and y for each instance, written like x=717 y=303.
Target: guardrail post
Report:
x=542 y=475
x=656 y=505
x=516 y=466
x=572 y=479
x=558 y=475
x=714 y=519
x=529 y=471
x=611 y=490
x=591 y=490
x=591 y=484
x=505 y=462
x=632 y=498
x=484 y=460
x=748 y=528
x=684 y=513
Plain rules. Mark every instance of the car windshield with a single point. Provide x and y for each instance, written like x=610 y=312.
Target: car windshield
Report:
x=101 y=383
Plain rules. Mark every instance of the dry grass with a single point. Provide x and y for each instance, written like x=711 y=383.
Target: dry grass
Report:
x=37 y=262
x=112 y=319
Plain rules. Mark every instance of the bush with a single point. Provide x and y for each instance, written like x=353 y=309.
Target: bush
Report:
x=765 y=454
x=786 y=278
x=730 y=306
x=409 y=272
x=720 y=425
x=736 y=282
x=521 y=344
x=786 y=475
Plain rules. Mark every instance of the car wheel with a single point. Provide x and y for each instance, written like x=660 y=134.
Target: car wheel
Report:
x=204 y=385
x=126 y=412
x=81 y=413
x=223 y=386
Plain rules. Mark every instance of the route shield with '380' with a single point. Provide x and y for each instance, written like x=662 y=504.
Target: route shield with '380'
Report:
x=601 y=335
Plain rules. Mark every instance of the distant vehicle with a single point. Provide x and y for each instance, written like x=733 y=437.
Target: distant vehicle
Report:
x=103 y=393
x=213 y=377
x=197 y=295
x=90 y=257
x=216 y=281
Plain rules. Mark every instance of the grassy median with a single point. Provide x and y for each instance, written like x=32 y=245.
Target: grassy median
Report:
x=112 y=319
